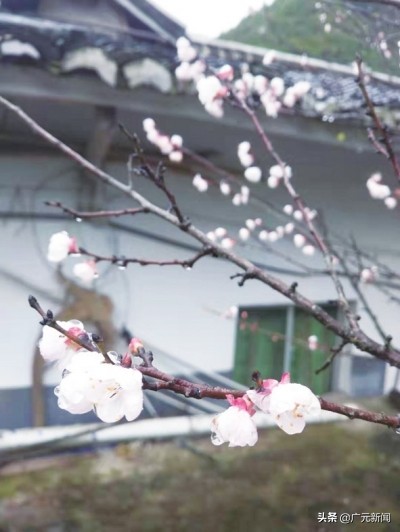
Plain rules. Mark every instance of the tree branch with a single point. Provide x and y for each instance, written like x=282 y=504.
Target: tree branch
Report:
x=164 y=381
x=356 y=337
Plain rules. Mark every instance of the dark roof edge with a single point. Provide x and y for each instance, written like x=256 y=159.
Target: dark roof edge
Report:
x=300 y=61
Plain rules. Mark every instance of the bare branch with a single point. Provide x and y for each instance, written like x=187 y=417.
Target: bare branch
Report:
x=164 y=381
x=124 y=261
x=384 y=145
x=353 y=335
x=85 y=215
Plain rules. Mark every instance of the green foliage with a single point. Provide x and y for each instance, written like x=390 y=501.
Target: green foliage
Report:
x=280 y=484
x=293 y=26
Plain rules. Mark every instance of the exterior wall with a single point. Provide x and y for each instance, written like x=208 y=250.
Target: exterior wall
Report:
x=169 y=307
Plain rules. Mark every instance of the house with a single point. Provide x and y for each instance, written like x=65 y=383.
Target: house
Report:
x=80 y=69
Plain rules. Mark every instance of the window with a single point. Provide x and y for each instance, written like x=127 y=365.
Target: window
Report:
x=273 y=340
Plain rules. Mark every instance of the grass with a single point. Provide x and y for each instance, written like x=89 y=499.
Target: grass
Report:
x=280 y=485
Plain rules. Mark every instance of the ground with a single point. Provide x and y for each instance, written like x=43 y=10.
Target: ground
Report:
x=281 y=484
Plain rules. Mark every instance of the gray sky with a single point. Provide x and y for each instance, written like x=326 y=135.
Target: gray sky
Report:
x=209 y=18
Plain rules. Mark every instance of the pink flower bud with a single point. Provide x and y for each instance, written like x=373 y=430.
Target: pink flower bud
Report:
x=135 y=345
x=227 y=243
x=312 y=342
x=226 y=72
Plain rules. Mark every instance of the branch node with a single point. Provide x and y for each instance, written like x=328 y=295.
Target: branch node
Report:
x=388 y=341
x=293 y=287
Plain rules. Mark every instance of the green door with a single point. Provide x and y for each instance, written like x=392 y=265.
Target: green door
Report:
x=260 y=345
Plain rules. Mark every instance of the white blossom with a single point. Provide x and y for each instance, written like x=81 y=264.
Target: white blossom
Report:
x=226 y=72
x=277 y=171
x=289 y=404
x=177 y=141
x=175 y=156
x=263 y=235
x=248 y=80
x=312 y=342
x=376 y=189
x=277 y=85
x=185 y=50
x=112 y=391
x=369 y=275
x=269 y=57
x=289 y=228
x=60 y=246
x=220 y=232
x=227 y=243
x=148 y=124
x=260 y=84
x=289 y=98
x=301 y=88
x=390 y=202
x=244 y=193
x=244 y=234
x=56 y=346
x=298 y=215
x=225 y=188
x=244 y=147
x=308 y=250
x=184 y=72
x=86 y=271
x=246 y=159
x=237 y=200
x=253 y=174
x=273 y=182
x=280 y=231
x=299 y=240
x=235 y=425
x=288 y=209
x=209 y=88
x=215 y=108
x=250 y=224
x=200 y=183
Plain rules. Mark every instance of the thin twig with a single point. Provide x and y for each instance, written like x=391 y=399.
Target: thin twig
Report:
x=164 y=381
x=123 y=261
x=356 y=337
x=381 y=128
x=87 y=215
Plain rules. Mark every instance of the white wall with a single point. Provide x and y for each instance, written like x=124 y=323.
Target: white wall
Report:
x=169 y=307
